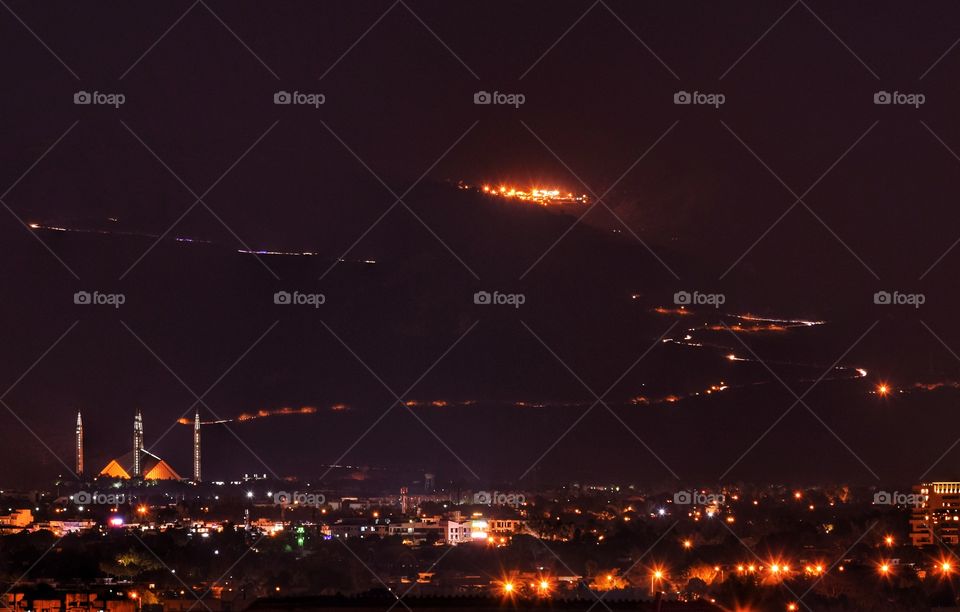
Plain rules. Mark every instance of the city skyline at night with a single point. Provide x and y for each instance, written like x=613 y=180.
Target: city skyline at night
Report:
x=523 y=303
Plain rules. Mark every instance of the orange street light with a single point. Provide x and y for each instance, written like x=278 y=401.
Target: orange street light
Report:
x=655 y=576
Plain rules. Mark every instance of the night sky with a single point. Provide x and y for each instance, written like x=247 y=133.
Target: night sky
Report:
x=796 y=199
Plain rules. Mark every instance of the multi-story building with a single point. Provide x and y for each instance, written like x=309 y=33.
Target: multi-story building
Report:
x=456 y=532
x=936 y=514
x=16 y=519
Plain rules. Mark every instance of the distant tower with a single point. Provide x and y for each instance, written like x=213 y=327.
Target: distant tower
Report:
x=137 y=444
x=79 y=445
x=196 y=447
x=428 y=482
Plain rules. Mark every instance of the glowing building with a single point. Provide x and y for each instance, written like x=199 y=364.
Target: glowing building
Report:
x=936 y=514
x=79 y=445
x=141 y=463
x=196 y=447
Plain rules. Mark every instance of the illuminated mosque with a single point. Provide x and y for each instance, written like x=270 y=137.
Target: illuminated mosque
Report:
x=140 y=463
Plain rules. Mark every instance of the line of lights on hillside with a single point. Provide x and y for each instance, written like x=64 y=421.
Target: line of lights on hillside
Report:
x=544 y=196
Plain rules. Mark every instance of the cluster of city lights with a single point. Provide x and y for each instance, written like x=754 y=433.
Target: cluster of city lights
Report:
x=776 y=569
x=544 y=196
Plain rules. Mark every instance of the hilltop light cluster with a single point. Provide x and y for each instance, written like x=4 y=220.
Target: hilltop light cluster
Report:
x=535 y=195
